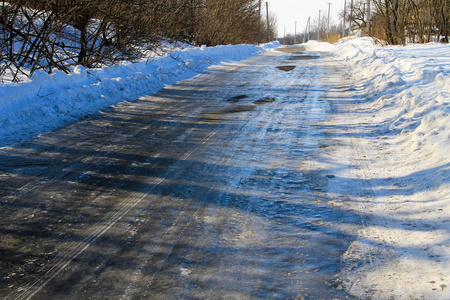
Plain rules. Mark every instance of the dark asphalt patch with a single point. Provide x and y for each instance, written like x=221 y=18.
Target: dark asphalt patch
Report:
x=264 y=100
x=304 y=57
x=215 y=116
x=236 y=109
x=237 y=98
x=286 y=68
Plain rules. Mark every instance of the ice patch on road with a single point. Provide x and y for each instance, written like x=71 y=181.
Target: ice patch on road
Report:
x=185 y=272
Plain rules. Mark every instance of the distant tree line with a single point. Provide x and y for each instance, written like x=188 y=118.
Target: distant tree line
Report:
x=49 y=34
x=402 y=21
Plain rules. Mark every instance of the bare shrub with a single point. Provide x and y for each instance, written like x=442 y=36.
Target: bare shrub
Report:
x=402 y=21
x=49 y=34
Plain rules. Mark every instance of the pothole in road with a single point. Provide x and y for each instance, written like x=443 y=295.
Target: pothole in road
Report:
x=303 y=57
x=286 y=68
x=264 y=100
x=237 y=98
x=215 y=116
x=280 y=201
x=236 y=109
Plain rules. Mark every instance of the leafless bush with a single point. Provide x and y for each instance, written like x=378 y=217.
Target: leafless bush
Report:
x=215 y=22
x=401 y=21
x=27 y=39
x=49 y=34
x=56 y=34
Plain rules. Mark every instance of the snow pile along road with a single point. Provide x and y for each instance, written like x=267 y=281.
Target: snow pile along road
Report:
x=49 y=101
x=401 y=168
x=410 y=87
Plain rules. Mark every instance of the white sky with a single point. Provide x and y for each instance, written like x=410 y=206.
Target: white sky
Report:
x=289 y=11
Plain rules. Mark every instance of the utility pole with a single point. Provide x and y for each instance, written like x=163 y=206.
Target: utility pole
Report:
x=295 y=33
x=304 y=35
x=268 y=26
x=306 y=32
x=343 y=21
x=318 y=28
x=328 y=25
x=285 y=34
x=305 y=39
x=309 y=28
x=368 y=17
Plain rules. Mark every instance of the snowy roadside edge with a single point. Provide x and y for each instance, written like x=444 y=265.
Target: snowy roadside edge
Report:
x=50 y=101
x=403 y=250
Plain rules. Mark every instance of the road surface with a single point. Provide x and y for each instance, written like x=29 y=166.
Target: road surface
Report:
x=215 y=187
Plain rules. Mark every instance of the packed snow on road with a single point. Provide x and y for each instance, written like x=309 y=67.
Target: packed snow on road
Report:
x=398 y=175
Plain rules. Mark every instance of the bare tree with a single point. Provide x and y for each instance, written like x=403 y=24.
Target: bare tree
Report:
x=230 y=22
x=49 y=34
x=401 y=21
x=441 y=15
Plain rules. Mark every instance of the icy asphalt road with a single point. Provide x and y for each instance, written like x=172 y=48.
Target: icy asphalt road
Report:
x=216 y=187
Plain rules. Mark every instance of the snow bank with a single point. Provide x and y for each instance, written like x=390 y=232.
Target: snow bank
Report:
x=409 y=85
x=49 y=101
x=410 y=90
x=403 y=116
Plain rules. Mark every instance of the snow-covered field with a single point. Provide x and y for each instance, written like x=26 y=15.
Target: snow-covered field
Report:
x=401 y=144
x=50 y=101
